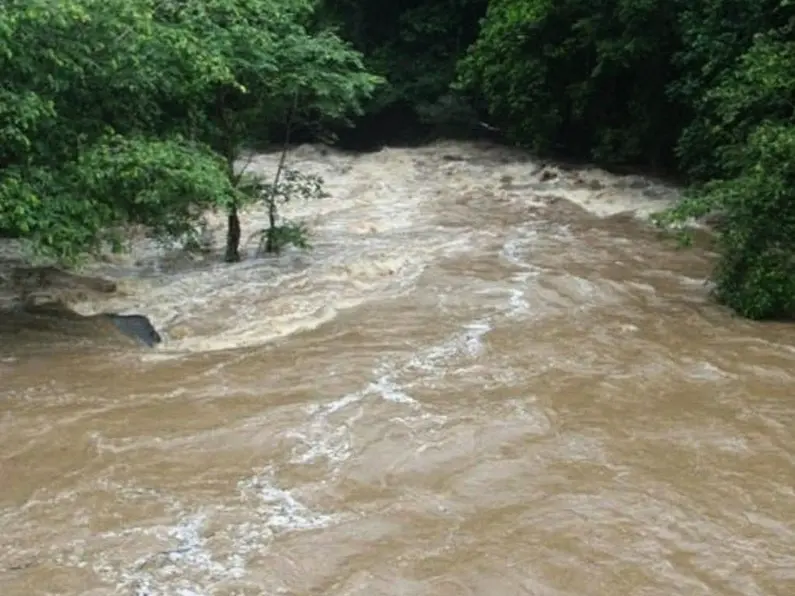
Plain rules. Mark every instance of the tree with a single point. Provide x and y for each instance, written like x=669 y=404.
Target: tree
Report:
x=754 y=135
x=715 y=34
x=281 y=70
x=579 y=79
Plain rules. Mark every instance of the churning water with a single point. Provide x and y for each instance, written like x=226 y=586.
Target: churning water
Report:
x=487 y=378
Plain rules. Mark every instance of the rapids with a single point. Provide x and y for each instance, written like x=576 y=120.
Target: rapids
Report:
x=488 y=377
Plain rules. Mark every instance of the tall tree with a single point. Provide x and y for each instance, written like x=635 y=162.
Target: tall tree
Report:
x=280 y=70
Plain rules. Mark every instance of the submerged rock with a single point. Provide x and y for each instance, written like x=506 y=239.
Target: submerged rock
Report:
x=44 y=285
x=136 y=326
x=57 y=317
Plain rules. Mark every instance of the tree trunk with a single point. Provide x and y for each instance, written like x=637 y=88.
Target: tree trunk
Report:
x=270 y=244
x=233 y=236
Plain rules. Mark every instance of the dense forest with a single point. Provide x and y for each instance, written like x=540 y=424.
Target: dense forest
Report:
x=116 y=113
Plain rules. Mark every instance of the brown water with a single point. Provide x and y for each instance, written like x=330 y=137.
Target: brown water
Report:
x=468 y=387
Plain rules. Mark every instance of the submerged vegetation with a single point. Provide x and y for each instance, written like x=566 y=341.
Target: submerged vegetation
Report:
x=119 y=113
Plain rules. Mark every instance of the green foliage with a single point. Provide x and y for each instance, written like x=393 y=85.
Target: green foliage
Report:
x=134 y=112
x=164 y=185
x=119 y=112
x=756 y=276
x=753 y=107
x=82 y=147
x=275 y=62
x=279 y=69
x=576 y=78
x=116 y=182
x=715 y=35
x=288 y=185
x=277 y=238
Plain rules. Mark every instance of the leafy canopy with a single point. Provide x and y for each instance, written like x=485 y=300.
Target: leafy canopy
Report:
x=122 y=112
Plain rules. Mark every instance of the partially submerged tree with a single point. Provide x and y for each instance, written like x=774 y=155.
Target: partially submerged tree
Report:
x=281 y=71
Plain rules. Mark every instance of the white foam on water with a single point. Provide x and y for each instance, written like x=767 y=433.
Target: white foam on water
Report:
x=322 y=439
x=467 y=342
x=280 y=510
x=201 y=551
x=185 y=565
x=248 y=313
x=374 y=236
x=519 y=306
x=513 y=249
x=328 y=435
x=388 y=389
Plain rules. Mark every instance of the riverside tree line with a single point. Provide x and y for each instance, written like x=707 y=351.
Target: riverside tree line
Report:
x=119 y=113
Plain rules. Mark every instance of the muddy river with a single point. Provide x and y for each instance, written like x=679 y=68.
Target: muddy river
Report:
x=486 y=378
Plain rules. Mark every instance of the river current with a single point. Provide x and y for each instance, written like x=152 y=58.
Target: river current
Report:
x=488 y=377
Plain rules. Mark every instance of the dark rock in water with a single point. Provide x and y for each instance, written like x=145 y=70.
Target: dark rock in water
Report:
x=136 y=326
x=60 y=320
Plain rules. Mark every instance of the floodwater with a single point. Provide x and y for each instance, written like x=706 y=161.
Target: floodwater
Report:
x=484 y=379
